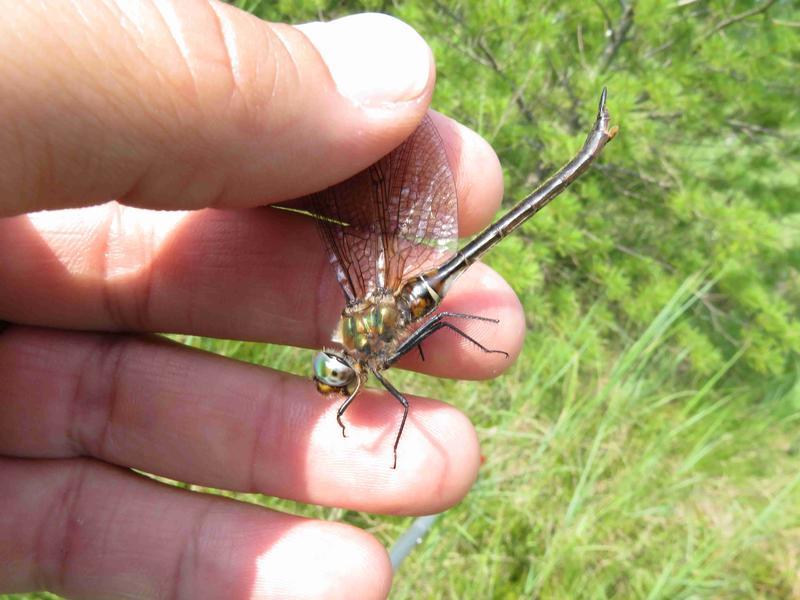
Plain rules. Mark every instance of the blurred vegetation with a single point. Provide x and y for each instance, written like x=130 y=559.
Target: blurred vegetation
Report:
x=645 y=444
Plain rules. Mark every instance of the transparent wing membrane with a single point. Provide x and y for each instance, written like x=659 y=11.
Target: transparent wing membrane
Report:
x=391 y=221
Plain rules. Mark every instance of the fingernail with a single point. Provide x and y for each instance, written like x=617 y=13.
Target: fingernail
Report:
x=374 y=59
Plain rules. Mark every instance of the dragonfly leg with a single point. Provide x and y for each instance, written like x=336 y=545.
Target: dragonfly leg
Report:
x=445 y=325
x=436 y=323
x=465 y=316
x=402 y=400
x=344 y=406
x=458 y=315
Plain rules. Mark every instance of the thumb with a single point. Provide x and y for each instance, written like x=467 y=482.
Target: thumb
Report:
x=175 y=104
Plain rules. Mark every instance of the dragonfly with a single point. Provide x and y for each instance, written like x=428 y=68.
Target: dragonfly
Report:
x=391 y=232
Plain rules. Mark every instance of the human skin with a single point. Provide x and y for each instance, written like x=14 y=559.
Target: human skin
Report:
x=199 y=108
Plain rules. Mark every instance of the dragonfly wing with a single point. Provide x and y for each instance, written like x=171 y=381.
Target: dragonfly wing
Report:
x=421 y=214
x=391 y=221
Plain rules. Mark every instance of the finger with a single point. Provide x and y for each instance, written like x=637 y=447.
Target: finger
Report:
x=83 y=529
x=260 y=275
x=192 y=104
x=235 y=275
x=200 y=418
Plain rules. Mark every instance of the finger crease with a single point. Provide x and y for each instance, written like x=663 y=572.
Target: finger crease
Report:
x=277 y=74
x=171 y=23
x=98 y=386
x=127 y=306
x=261 y=429
x=188 y=556
x=228 y=42
x=115 y=362
x=106 y=289
x=65 y=509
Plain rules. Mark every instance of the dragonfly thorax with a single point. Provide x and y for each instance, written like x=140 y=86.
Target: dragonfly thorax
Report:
x=371 y=326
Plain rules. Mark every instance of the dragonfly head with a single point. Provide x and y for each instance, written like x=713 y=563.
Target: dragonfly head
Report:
x=333 y=372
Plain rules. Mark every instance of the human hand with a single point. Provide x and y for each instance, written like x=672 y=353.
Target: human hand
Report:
x=188 y=106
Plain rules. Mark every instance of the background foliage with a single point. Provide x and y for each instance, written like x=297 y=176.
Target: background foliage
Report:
x=645 y=444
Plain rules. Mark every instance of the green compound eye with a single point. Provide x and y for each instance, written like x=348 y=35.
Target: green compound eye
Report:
x=332 y=370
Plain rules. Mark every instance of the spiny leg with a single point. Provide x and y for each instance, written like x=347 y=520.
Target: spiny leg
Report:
x=433 y=325
x=444 y=324
x=344 y=406
x=459 y=315
x=448 y=313
x=400 y=398
x=441 y=315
